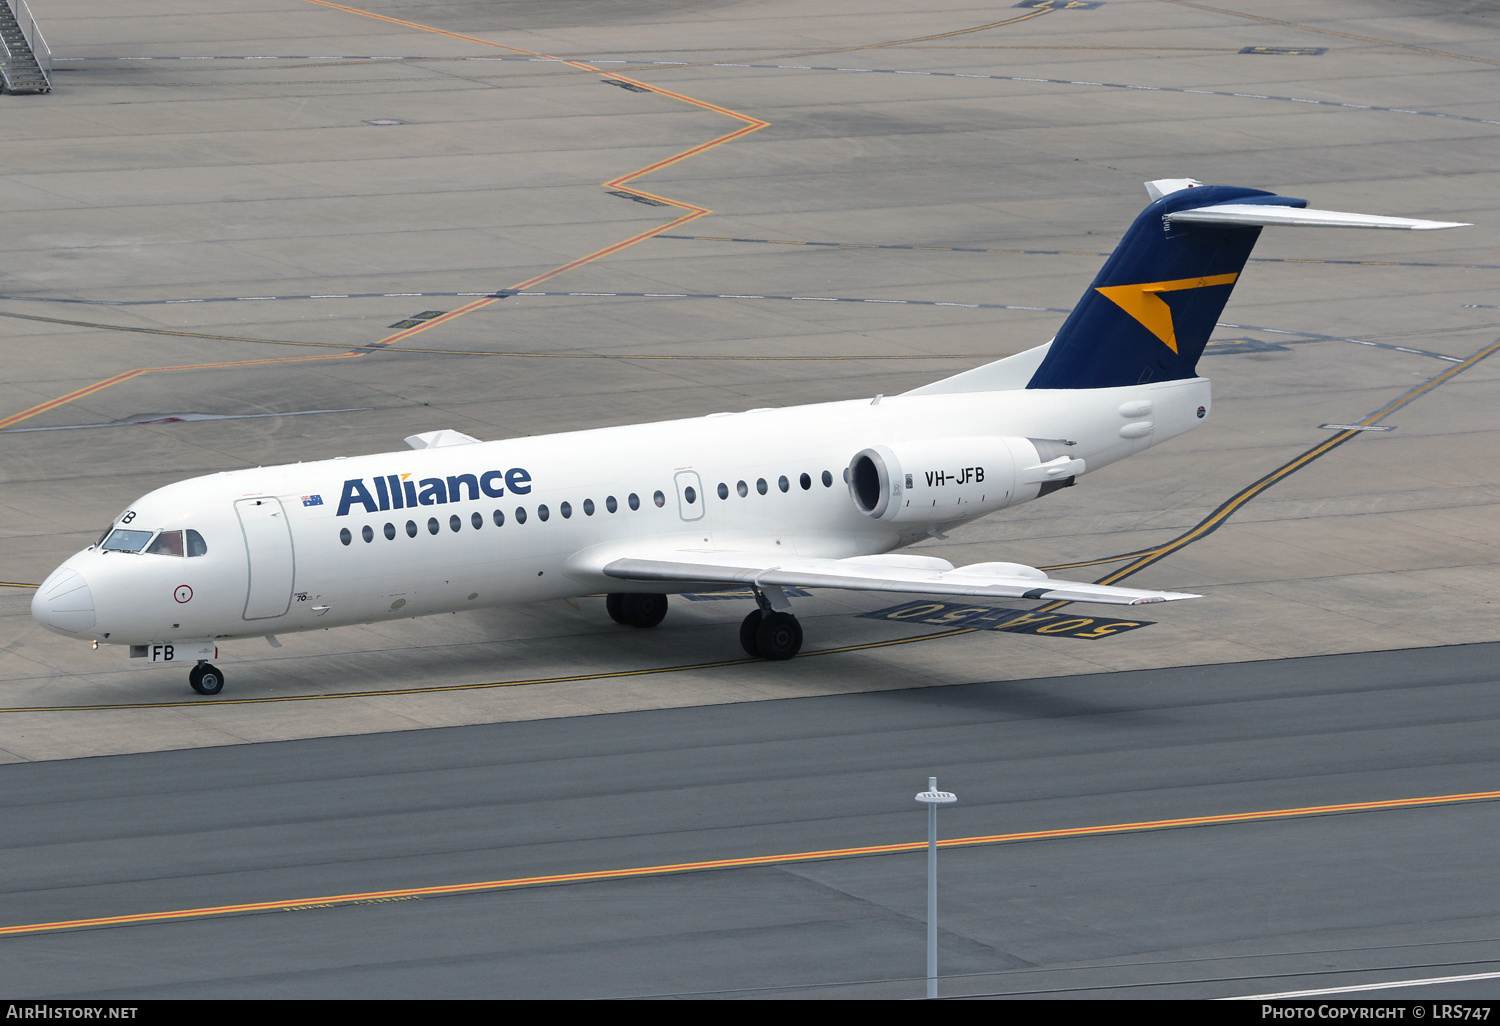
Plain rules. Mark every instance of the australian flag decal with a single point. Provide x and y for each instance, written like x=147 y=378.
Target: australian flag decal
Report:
x=312 y=500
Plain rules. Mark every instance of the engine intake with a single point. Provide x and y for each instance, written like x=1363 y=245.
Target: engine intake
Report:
x=957 y=478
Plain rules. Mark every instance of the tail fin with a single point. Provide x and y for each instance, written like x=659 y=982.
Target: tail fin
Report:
x=1150 y=311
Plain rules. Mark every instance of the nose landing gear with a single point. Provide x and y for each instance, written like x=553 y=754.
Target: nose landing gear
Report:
x=206 y=678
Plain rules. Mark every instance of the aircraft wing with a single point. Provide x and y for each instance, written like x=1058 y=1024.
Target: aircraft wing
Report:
x=917 y=575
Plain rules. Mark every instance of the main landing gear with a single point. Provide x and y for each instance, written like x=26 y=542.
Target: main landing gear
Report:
x=206 y=678
x=769 y=634
x=636 y=610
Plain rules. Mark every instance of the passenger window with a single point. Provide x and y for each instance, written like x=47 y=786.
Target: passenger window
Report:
x=806 y=482
x=743 y=489
x=783 y=483
x=588 y=507
x=168 y=543
x=390 y=532
x=454 y=523
x=367 y=534
x=827 y=479
x=499 y=519
x=634 y=500
x=520 y=514
x=432 y=525
x=566 y=509
x=477 y=520
x=723 y=490
x=760 y=485
x=345 y=536
x=610 y=504
x=411 y=528
x=689 y=493
x=542 y=511
x=661 y=500
x=126 y=541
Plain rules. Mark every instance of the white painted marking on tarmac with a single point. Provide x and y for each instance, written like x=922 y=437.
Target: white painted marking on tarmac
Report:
x=1392 y=985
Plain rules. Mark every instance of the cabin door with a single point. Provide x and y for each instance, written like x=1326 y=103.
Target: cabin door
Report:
x=268 y=541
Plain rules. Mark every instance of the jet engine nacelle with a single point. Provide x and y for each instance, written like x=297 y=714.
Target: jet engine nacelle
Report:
x=957 y=478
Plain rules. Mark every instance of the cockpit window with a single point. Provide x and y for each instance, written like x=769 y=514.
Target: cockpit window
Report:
x=196 y=546
x=103 y=536
x=126 y=541
x=168 y=543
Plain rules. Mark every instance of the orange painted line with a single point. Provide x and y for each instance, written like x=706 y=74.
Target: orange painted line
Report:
x=16 y=418
x=99 y=386
x=444 y=890
x=693 y=211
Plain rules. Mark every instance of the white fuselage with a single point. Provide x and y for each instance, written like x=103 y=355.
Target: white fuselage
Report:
x=280 y=565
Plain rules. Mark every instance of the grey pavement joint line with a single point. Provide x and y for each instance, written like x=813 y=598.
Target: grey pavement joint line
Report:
x=931 y=74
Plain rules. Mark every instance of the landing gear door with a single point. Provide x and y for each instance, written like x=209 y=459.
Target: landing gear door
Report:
x=690 y=502
x=268 y=540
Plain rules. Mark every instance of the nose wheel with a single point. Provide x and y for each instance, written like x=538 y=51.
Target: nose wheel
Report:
x=206 y=679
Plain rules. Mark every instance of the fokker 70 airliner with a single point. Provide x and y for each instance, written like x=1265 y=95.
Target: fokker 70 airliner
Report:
x=766 y=500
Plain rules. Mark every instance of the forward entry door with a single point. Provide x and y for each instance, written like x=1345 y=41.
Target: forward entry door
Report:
x=268 y=540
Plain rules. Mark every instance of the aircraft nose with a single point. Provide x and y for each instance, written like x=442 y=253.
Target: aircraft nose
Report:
x=64 y=603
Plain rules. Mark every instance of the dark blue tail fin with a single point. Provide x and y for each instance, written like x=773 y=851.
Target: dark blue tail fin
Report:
x=1150 y=311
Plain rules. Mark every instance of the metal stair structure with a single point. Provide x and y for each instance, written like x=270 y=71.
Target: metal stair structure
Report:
x=25 y=59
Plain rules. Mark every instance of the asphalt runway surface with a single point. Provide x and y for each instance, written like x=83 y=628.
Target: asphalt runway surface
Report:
x=310 y=230
x=1321 y=897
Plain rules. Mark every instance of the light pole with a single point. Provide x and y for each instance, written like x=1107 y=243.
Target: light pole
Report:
x=932 y=798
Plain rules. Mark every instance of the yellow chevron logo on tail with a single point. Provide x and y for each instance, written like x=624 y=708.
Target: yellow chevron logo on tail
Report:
x=1144 y=303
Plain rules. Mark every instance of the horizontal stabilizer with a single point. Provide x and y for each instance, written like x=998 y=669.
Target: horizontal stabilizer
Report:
x=1262 y=214
x=874 y=573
